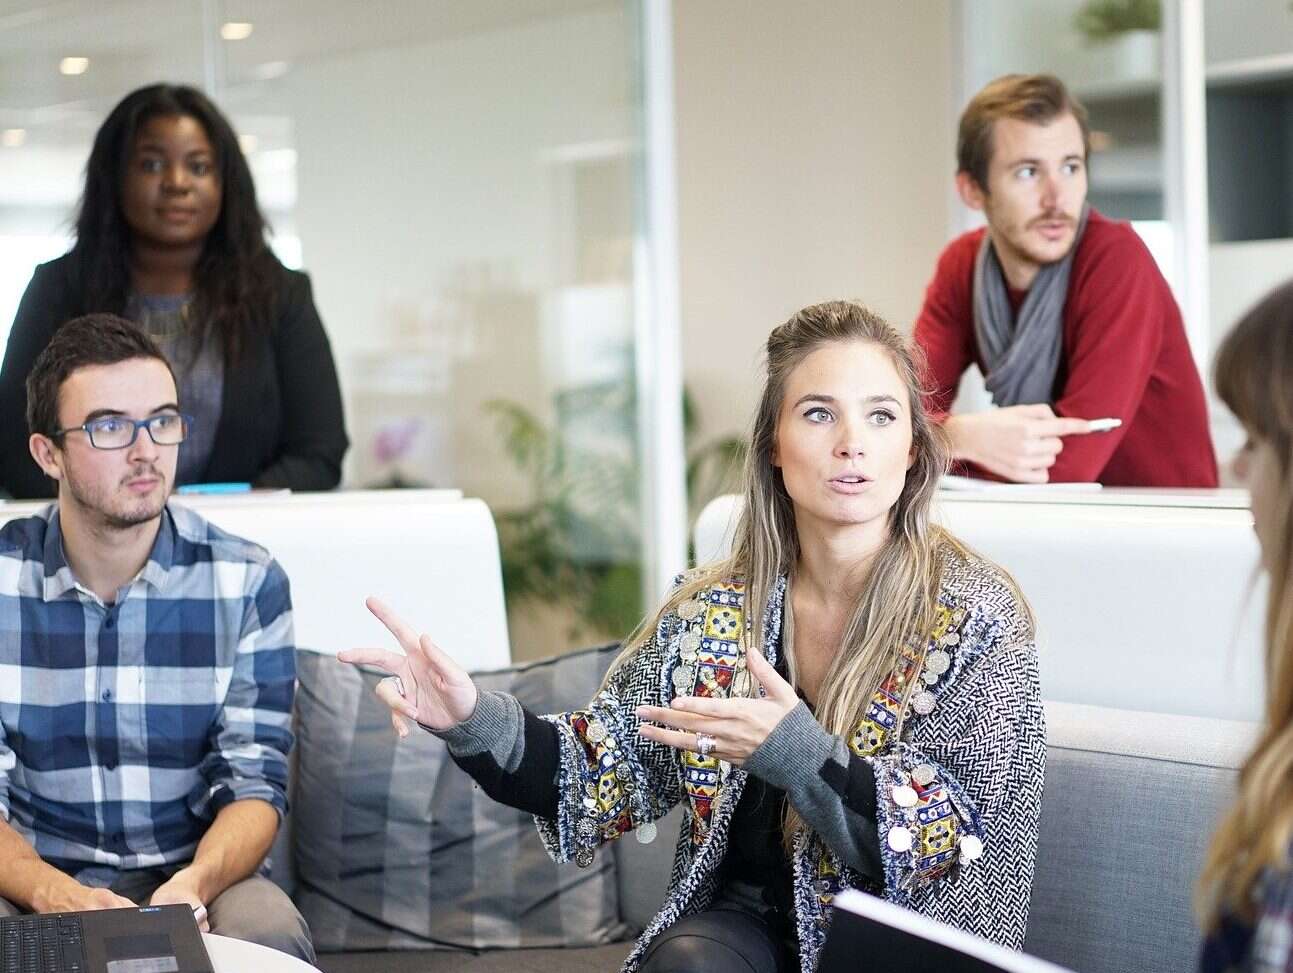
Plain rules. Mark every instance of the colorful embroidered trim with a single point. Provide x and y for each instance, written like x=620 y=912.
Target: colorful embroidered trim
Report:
x=711 y=664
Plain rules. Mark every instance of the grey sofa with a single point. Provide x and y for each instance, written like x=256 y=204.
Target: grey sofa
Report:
x=1130 y=801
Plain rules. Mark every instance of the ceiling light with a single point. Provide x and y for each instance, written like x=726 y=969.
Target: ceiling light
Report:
x=11 y=138
x=248 y=143
x=235 y=30
x=74 y=65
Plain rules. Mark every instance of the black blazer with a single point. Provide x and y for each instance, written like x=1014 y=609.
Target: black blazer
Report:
x=281 y=423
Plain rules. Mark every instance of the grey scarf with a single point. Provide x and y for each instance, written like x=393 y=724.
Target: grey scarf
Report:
x=1022 y=355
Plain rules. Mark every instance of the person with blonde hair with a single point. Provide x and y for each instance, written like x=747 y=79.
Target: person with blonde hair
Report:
x=1245 y=895
x=850 y=700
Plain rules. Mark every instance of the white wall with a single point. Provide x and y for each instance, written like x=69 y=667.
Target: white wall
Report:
x=815 y=150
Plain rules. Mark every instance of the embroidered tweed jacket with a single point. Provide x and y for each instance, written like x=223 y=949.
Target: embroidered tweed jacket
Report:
x=958 y=796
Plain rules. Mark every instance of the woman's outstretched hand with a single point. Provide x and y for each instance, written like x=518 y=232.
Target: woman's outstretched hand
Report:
x=738 y=726
x=425 y=684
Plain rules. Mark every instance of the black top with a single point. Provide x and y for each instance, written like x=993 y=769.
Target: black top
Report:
x=757 y=859
x=281 y=423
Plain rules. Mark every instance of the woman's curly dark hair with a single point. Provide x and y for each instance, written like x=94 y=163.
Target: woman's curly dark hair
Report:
x=235 y=280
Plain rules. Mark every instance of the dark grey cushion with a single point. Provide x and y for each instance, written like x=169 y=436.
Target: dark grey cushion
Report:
x=1122 y=839
x=643 y=871
x=396 y=847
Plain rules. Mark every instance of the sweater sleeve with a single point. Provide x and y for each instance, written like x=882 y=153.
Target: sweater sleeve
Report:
x=1121 y=306
x=313 y=440
x=40 y=312
x=832 y=788
x=944 y=329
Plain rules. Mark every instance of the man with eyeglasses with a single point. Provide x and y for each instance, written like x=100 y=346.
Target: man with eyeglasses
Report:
x=146 y=665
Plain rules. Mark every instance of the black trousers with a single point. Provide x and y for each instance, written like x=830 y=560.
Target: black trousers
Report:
x=719 y=941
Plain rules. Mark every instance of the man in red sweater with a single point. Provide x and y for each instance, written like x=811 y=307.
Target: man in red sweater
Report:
x=1064 y=311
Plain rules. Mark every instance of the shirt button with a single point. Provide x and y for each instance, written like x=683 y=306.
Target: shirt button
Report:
x=109 y=765
x=109 y=622
x=107 y=695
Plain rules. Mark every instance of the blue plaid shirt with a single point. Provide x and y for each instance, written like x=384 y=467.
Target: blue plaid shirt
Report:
x=124 y=728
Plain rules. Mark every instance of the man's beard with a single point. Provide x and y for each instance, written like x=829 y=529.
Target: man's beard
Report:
x=123 y=513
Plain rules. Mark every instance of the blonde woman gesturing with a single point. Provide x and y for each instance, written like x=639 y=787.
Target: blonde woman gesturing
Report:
x=848 y=701
x=1246 y=893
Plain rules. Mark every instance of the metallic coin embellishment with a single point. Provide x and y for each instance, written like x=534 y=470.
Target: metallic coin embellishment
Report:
x=622 y=772
x=584 y=857
x=646 y=833
x=691 y=642
x=938 y=662
x=587 y=828
x=596 y=731
x=923 y=703
x=904 y=796
x=690 y=609
x=923 y=775
x=971 y=848
x=683 y=677
x=929 y=677
x=900 y=840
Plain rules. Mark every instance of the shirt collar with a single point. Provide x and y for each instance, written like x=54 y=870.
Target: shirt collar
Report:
x=59 y=579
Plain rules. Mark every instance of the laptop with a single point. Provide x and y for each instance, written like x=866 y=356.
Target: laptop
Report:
x=148 y=939
x=869 y=933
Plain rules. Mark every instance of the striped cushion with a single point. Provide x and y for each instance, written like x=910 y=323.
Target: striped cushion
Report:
x=396 y=848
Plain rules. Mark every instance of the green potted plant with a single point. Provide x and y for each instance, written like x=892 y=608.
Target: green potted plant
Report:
x=576 y=543
x=1128 y=29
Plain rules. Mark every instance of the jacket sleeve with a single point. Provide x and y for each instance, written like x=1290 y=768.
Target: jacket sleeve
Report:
x=611 y=781
x=313 y=439
x=973 y=827
x=42 y=309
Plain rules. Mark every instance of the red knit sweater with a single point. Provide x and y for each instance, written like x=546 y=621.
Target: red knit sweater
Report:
x=1124 y=354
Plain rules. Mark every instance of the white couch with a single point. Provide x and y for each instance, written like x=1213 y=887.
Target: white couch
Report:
x=430 y=554
x=1144 y=598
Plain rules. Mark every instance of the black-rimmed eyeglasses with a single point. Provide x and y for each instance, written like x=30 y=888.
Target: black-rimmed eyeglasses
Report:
x=118 y=432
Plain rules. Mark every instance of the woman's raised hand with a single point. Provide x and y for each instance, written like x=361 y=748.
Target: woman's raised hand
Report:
x=737 y=727
x=424 y=685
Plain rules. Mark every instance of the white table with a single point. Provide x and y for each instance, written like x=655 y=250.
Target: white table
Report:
x=236 y=956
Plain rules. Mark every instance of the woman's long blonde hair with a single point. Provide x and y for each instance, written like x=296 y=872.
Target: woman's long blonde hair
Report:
x=898 y=603
x=1254 y=377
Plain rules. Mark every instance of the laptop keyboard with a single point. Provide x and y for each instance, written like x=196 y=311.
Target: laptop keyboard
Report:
x=41 y=944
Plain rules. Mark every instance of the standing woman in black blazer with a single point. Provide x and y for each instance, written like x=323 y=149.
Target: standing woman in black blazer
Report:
x=170 y=236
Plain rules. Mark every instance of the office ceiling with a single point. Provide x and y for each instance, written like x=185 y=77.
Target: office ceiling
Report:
x=134 y=42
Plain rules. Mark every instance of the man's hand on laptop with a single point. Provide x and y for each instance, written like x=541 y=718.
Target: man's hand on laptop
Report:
x=178 y=890
x=72 y=896
x=1018 y=443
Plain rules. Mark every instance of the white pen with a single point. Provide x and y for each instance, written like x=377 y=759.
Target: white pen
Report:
x=1102 y=425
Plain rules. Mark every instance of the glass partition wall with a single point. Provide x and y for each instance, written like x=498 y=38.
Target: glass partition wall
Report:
x=462 y=181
